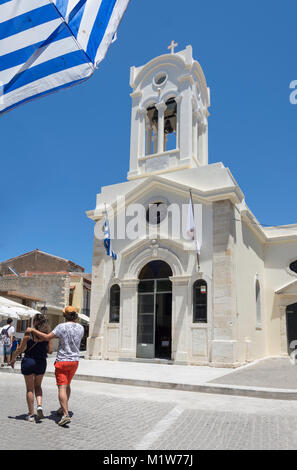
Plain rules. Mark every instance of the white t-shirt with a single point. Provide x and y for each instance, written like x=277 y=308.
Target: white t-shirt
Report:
x=3 y=336
x=70 y=335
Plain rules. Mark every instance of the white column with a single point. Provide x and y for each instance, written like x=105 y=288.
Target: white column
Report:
x=142 y=125
x=180 y=325
x=161 y=108
x=195 y=135
x=155 y=142
x=186 y=124
x=204 y=144
x=165 y=142
x=148 y=134
x=200 y=143
x=134 y=134
x=99 y=301
x=178 y=102
x=128 y=317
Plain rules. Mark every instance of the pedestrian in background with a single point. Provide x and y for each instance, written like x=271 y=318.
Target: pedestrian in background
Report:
x=15 y=344
x=7 y=339
x=70 y=335
x=1 y=349
x=33 y=365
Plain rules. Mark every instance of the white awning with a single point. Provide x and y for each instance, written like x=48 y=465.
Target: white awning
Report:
x=84 y=317
x=9 y=308
x=7 y=312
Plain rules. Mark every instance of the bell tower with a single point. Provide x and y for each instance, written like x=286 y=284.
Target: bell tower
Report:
x=169 y=123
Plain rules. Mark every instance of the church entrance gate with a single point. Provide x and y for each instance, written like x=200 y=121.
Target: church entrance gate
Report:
x=154 y=323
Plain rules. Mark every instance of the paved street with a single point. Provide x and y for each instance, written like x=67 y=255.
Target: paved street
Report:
x=123 y=417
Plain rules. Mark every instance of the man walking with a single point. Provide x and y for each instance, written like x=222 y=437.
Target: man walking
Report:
x=6 y=340
x=70 y=335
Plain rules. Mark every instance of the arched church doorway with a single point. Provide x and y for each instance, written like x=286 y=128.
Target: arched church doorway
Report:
x=154 y=323
x=291 y=314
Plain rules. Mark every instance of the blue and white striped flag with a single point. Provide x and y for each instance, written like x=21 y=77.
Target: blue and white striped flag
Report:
x=107 y=241
x=46 y=45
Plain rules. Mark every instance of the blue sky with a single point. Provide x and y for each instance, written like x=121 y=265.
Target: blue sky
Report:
x=58 y=151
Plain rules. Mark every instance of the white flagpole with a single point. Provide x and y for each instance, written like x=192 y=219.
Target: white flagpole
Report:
x=195 y=233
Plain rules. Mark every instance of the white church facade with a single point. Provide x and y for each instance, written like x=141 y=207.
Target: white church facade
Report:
x=233 y=303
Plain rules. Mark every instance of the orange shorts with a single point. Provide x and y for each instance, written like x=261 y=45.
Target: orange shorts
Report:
x=65 y=371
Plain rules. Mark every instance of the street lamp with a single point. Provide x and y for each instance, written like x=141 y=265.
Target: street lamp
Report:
x=44 y=309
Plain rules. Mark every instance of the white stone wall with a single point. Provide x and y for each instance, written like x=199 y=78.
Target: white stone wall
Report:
x=250 y=255
x=225 y=322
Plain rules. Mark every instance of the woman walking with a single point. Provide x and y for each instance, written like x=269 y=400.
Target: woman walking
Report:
x=33 y=365
x=70 y=335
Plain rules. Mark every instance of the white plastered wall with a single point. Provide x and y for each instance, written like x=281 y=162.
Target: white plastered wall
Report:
x=249 y=268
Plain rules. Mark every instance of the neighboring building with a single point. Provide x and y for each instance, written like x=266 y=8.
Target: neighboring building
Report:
x=153 y=302
x=80 y=292
x=80 y=298
x=38 y=261
x=54 y=281
x=23 y=299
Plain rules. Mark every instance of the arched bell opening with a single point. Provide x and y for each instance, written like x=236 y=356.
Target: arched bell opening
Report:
x=151 y=130
x=170 y=125
x=152 y=127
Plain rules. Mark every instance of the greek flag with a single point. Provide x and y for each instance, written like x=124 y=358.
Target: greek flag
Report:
x=191 y=228
x=46 y=45
x=107 y=242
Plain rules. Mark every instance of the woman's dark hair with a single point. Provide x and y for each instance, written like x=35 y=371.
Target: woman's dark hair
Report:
x=72 y=316
x=40 y=323
x=9 y=321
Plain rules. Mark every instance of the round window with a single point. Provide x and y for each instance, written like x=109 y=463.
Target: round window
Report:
x=160 y=79
x=156 y=213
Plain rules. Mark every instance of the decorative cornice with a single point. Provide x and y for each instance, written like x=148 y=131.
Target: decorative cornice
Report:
x=130 y=283
x=180 y=280
x=158 y=243
x=248 y=217
x=233 y=193
x=186 y=78
x=155 y=64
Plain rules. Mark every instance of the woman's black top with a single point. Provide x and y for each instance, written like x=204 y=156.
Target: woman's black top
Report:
x=36 y=349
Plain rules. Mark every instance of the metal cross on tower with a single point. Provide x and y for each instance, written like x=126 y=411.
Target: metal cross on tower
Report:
x=172 y=46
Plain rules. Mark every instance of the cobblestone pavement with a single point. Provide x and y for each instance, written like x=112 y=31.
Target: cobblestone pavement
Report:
x=124 y=418
x=276 y=372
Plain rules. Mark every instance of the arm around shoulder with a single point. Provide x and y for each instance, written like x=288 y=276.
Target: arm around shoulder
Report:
x=39 y=334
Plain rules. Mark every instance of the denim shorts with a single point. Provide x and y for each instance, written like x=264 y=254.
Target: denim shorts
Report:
x=32 y=366
x=7 y=349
